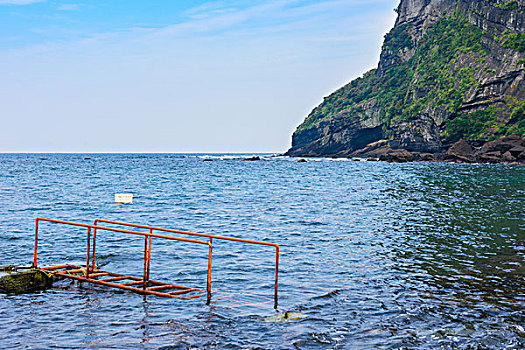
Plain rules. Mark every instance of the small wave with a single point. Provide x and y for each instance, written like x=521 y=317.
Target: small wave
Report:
x=329 y=294
x=222 y=157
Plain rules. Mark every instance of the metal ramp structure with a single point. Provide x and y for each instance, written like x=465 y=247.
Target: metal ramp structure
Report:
x=131 y=283
x=141 y=285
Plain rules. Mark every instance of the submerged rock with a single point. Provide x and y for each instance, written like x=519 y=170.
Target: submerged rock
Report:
x=24 y=281
x=286 y=316
x=251 y=159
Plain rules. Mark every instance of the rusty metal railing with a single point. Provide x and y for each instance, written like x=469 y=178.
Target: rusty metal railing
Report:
x=91 y=268
x=210 y=237
x=91 y=273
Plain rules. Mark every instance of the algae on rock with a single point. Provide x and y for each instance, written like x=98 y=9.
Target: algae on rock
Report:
x=25 y=282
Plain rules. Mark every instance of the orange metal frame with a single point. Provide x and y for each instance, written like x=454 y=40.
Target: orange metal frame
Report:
x=91 y=273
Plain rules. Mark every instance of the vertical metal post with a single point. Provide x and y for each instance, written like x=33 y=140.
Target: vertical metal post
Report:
x=149 y=254
x=145 y=261
x=87 y=254
x=93 y=266
x=208 y=285
x=276 y=274
x=36 y=243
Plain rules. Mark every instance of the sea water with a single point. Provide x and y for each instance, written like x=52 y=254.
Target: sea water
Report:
x=372 y=254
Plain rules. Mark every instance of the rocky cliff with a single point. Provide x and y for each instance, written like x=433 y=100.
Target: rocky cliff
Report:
x=449 y=70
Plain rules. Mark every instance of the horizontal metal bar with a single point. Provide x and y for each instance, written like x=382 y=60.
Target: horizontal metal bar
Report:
x=132 y=283
x=99 y=274
x=159 y=287
x=186 y=232
x=115 y=279
x=123 y=231
x=48 y=268
x=184 y=291
x=74 y=270
x=165 y=285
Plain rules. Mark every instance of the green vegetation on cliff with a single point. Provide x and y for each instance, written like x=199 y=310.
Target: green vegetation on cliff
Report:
x=437 y=78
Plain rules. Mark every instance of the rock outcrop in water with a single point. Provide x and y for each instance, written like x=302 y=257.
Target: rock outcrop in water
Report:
x=25 y=281
x=449 y=70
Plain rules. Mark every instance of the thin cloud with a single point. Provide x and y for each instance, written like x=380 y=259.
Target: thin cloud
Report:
x=68 y=7
x=222 y=16
x=19 y=2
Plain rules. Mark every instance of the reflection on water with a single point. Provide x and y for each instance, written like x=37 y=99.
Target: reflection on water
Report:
x=374 y=255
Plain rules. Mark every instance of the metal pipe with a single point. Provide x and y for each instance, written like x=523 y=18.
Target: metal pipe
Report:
x=149 y=254
x=276 y=274
x=208 y=284
x=93 y=266
x=145 y=258
x=36 y=243
x=87 y=251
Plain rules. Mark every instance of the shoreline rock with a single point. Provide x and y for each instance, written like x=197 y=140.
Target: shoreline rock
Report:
x=505 y=150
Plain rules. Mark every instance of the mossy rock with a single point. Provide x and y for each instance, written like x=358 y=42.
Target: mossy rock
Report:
x=25 y=282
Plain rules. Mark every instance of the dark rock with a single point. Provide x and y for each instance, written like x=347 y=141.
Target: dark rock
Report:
x=461 y=159
x=25 y=281
x=301 y=161
x=505 y=149
x=427 y=157
x=489 y=157
x=252 y=159
x=397 y=156
x=374 y=149
x=207 y=160
x=372 y=159
x=460 y=148
x=503 y=144
x=508 y=157
x=516 y=151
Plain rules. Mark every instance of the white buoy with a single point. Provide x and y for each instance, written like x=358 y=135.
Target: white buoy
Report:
x=124 y=198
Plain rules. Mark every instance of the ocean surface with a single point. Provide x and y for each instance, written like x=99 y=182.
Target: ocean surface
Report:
x=373 y=255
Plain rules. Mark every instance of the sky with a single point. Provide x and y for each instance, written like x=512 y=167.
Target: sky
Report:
x=176 y=76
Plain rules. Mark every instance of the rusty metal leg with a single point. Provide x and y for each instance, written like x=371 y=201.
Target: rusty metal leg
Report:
x=208 y=285
x=149 y=256
x=36 y=243
x=87 y=254
x=93 y=266
x=276 y=274
x=145 y=262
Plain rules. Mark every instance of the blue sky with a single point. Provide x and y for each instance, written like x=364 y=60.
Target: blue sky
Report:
x=176 y=76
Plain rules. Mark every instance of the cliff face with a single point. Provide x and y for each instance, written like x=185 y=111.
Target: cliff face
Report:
x=449 y=69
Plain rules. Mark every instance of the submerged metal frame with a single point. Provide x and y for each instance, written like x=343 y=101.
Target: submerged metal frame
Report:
x=91 y=273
